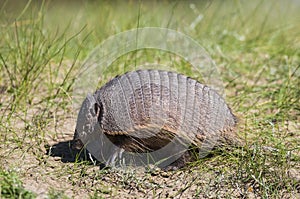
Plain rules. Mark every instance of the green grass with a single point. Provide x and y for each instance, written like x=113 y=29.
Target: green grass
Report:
x=255 y=46
x=11 y=186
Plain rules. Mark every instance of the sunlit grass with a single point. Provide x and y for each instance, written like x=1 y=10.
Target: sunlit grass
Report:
x=11 y=186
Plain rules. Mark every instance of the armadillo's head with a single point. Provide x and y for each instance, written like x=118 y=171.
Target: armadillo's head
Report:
x=87 y=122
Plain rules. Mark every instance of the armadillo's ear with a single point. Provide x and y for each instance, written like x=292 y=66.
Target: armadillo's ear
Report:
x=97 y=109
x=93 y=106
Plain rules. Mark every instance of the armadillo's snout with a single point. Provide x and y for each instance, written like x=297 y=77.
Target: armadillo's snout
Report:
x=77 y=143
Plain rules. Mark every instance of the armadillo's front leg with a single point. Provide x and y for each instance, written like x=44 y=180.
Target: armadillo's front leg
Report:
x=113 y=158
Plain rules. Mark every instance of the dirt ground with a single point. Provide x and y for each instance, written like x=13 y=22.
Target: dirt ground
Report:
x=52 y=167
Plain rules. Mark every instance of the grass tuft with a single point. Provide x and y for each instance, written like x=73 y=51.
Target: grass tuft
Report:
x=12 y=187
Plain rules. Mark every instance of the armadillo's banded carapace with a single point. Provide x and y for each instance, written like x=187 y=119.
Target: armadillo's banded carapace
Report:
x=143 y=103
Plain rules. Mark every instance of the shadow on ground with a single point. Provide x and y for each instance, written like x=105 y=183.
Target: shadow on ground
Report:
x=67 y=154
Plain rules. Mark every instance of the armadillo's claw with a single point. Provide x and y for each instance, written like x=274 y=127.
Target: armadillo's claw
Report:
x=77 y=144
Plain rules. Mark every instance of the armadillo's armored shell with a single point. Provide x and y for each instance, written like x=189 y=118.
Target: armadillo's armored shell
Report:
x=153 y=106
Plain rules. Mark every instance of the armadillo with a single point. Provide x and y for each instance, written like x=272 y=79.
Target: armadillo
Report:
x=146 y=111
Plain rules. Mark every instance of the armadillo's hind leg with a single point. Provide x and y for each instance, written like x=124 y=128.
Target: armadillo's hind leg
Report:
x=180 y=162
